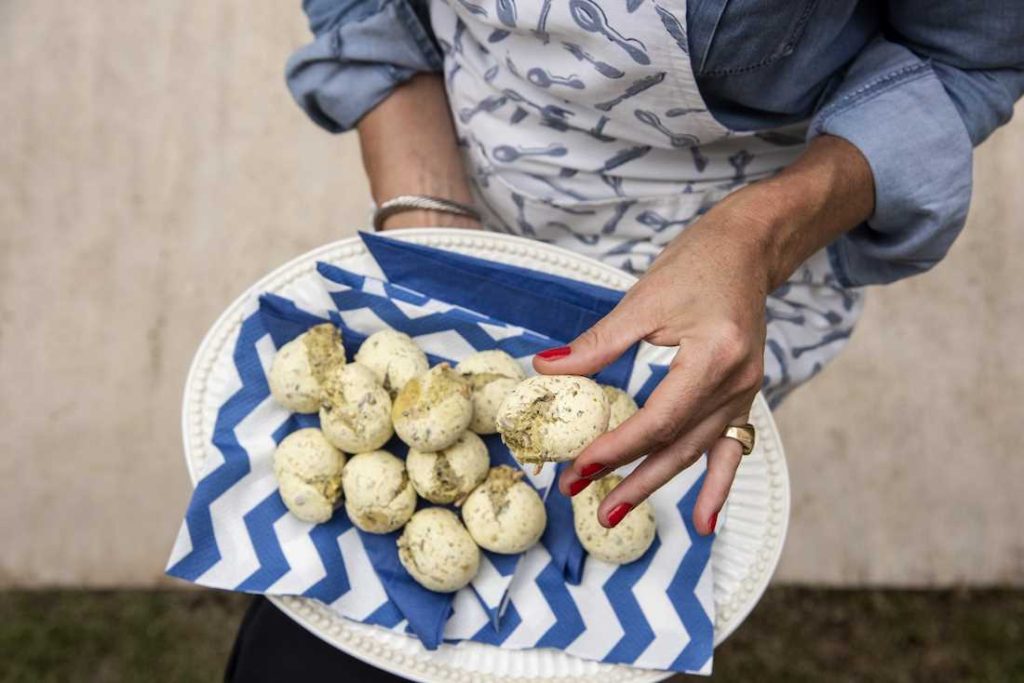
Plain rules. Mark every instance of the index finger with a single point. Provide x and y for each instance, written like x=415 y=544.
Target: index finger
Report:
x=598 y=346
x=677 y=403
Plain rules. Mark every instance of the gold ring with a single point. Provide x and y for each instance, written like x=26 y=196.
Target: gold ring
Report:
x=745 y=434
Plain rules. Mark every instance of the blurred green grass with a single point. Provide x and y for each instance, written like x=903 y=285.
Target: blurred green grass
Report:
x=795 y=635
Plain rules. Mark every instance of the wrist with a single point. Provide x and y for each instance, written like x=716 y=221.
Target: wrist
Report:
x=409 y=147
x=768 y=216
x=746 y=226
x=828 y=191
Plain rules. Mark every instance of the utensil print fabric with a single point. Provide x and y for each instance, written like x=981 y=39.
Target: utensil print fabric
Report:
x=583 y=127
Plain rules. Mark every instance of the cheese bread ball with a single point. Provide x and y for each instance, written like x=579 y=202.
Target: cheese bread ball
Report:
x=625 y=542
x=308 y=472
x=448 y=475
x=393 y=357
x=355 y=413
x=433 y=410
x=621 y=406
x=551 y=418
x=491 y=375
x=504 y=514
x=378 y=495
x=299 y=367
x=437 y=551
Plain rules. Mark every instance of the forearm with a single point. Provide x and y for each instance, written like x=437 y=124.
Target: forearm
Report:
x=409 y=147
x=790 y=216
x=826 y=192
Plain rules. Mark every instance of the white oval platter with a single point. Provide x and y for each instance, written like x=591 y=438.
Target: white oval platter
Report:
x=745 y=552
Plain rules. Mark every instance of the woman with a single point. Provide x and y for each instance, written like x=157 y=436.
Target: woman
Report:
x=755 y=162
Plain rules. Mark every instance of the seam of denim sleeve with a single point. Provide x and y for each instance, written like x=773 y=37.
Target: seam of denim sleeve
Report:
x=835 y=259
x=399 y=74
x=412 y=24
x=335 y=43
x=711 y=39
x=882 y=84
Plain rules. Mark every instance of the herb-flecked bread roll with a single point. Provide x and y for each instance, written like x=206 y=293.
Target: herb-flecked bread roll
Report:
x=379 y=497
x=448 y=475
x=393 y=357
x=355 y=413
x=621 y=406
x=551 y=418
x=491 y=375
x=437 y=551
x=504 y=514
x=299 y=367
x=308 y=472
x=433 y=410
x=622 y=544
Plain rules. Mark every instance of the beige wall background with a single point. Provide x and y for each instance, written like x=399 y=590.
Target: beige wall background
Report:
x=152 y=165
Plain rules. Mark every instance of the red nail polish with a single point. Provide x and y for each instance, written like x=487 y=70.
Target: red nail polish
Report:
x=555 y=353
x=713 y=522
x=578 y=486
x=592 y=470
x=618 y=512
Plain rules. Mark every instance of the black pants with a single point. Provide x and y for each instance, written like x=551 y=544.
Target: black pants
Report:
x=271 y=647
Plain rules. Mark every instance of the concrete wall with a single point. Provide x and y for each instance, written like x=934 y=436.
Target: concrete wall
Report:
x=152 y=165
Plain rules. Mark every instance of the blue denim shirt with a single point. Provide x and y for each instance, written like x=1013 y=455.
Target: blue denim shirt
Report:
x=914 y=84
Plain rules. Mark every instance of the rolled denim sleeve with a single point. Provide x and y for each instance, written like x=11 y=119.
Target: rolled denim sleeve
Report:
x=362 y=50
x=915 y=109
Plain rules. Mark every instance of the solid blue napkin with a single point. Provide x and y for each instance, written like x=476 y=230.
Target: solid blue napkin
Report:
x=473 y=283
x=554 y=306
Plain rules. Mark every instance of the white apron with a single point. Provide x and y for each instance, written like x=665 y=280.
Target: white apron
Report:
x=582 y=126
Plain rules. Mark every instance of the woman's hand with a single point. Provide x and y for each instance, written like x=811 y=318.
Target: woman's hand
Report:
x=706 y=293
x=409 y=148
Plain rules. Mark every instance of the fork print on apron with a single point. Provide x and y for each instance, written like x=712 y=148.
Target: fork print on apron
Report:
x=582 y=125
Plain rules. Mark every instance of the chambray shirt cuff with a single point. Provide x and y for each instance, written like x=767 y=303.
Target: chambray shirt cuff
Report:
x=894 y=109
x=350 y=68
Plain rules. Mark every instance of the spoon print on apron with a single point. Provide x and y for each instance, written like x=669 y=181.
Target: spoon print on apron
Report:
x=582 y=125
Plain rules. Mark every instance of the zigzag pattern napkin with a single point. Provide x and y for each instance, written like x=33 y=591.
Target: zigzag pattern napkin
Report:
x=657 y=612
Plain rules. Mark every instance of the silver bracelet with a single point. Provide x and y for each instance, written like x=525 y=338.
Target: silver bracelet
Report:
x=411 y=202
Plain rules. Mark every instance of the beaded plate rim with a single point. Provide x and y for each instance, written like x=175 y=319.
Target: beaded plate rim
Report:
x=375 y=645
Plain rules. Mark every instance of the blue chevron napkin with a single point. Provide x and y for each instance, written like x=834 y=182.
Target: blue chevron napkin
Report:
x=657 y=612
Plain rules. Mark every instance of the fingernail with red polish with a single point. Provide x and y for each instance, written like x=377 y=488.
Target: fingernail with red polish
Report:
x=578 y=486
x=592 y=470
x=557 y=352
x=618 y=512
x=712 y=523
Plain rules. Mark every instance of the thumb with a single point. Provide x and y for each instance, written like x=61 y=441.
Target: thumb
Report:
x=594 y=349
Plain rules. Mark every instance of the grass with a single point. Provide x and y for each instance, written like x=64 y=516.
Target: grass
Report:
x=794 y=635
x=814 y=635
x=68 y=636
